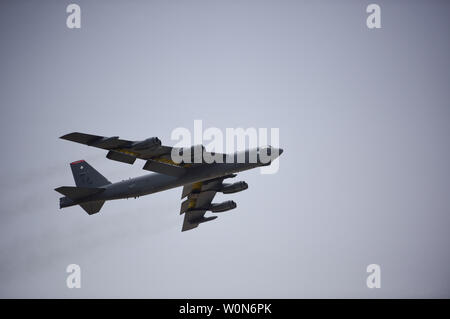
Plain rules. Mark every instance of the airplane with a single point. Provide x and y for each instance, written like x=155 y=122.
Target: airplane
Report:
x=201 y=180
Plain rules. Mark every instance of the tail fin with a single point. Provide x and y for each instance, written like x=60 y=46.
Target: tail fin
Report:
x=86 y=176
x=89 y=183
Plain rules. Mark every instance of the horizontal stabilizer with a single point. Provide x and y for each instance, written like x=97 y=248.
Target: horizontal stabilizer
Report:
x=76 y=193
x=92 y=207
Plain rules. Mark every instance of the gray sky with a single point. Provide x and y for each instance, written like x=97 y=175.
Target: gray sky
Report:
x=364 y=121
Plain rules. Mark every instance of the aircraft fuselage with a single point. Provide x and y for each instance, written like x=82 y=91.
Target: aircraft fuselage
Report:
x=156 y=182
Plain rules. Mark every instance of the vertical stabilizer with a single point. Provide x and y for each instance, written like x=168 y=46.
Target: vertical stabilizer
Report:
x=86 y=176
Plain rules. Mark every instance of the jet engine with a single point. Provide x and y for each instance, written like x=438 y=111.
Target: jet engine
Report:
x=234 y=188
x=222 y=207
x=147 y=143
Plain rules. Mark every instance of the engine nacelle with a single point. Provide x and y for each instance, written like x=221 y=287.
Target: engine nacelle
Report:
x=234 y=188
x=191 y=149
x=147 y=143
x=222 y=207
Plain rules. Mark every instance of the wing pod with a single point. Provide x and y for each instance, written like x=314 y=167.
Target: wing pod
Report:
x=146 y=144
x=234 y=188
x=121 y=157
x=104 y=142
x=222 y=207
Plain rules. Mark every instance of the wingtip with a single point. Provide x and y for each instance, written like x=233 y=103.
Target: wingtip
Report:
x=58 y=189
x=65 y=136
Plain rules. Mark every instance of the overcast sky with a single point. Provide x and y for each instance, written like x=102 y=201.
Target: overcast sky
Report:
x=364 y=121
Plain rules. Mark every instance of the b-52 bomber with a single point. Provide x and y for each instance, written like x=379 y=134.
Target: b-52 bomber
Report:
x=201 y=179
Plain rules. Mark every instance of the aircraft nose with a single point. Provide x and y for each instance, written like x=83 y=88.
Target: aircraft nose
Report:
x=280 y=151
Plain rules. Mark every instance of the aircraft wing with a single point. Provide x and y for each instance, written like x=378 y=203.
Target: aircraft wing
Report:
x=199 y=198
x=158 y=156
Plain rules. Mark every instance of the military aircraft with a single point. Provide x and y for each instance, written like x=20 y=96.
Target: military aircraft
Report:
x=200 y=179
